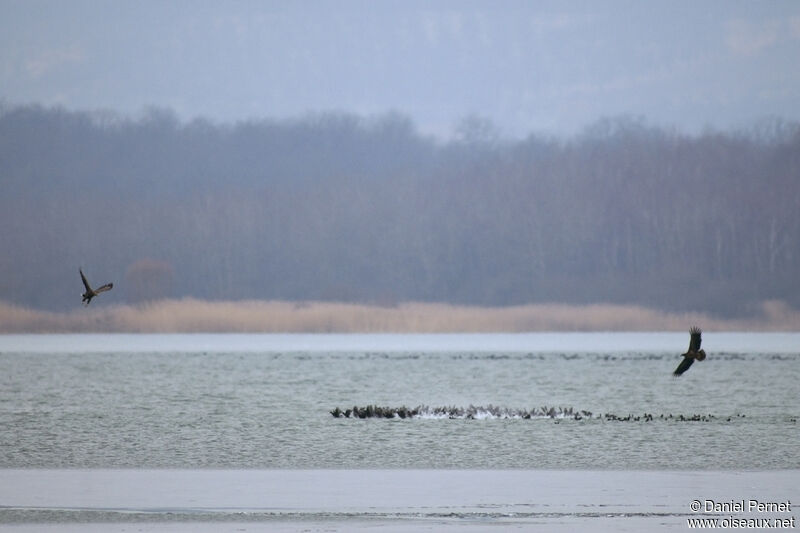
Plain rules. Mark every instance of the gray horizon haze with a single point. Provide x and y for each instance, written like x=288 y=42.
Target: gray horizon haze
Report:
x=541 y=67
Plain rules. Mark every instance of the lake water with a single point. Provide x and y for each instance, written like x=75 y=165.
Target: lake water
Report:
x=244 y=418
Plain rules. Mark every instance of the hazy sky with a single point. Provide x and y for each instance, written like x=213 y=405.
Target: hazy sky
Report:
x=546 y=67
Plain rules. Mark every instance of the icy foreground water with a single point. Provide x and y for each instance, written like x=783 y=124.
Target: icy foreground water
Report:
x=383 y=500
x=234 y=432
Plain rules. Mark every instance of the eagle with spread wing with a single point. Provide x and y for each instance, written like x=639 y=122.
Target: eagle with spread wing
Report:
x=90 y=292
x=693 y=353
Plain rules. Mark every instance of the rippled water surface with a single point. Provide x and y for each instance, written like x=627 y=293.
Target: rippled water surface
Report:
x=264 y=401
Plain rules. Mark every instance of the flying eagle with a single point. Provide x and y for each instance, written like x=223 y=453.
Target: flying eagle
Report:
x=693 y=353
x=90 y=292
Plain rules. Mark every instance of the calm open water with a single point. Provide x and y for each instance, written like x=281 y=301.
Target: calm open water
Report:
x=262 y=402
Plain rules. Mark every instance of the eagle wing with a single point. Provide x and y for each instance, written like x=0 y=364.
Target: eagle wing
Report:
x=694 y=339
x=684 y=366
x=104 y=288
x=85 y=282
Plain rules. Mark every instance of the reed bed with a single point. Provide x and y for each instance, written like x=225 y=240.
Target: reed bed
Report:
x=194 y=316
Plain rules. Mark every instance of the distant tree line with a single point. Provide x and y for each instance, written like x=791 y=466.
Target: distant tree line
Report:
x=341 y=207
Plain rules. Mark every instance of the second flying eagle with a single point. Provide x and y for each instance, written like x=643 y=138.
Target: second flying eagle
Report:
x=694 y=352
x=90 y=292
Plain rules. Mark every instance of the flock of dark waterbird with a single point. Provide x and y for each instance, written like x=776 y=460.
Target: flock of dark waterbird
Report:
x=494 y=412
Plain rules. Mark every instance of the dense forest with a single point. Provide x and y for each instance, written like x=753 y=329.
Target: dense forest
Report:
x=335 y=206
